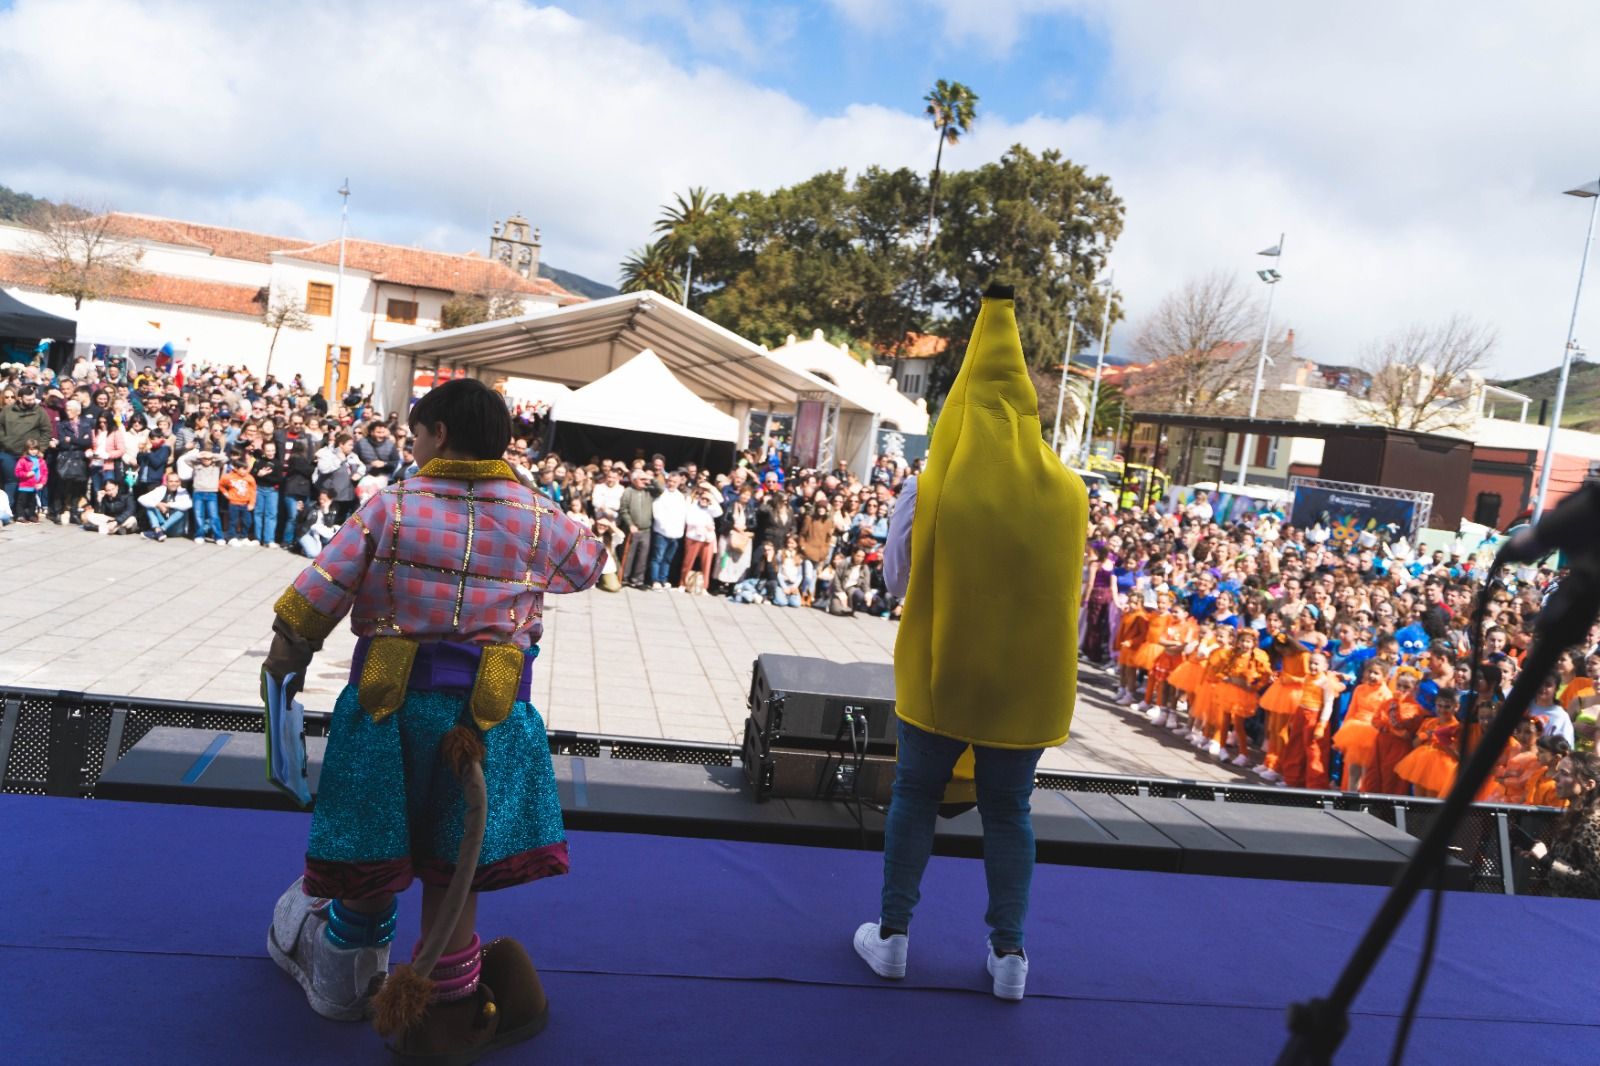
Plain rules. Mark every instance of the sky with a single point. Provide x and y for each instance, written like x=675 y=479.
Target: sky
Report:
x=1414 y=154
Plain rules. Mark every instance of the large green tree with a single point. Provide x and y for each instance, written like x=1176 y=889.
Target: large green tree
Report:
x=844 y=254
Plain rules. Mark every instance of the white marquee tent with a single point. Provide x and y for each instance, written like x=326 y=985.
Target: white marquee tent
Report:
x=581 y=343
x=643 y=396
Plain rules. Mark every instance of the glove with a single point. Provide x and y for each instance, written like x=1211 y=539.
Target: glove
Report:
x=290 y=653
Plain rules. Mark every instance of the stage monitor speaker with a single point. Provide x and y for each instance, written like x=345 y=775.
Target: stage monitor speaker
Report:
x=800 y=702
x=803 y=773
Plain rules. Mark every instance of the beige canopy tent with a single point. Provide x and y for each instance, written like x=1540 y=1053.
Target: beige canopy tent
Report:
x=583 y=342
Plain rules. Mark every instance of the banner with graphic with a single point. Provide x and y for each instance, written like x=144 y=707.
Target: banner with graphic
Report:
x=907 y=447
x=1347 y=513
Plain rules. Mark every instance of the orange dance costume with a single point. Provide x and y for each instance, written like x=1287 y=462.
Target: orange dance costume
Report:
x=1307 y=757
x=1432 y=763
x=1153 y=647
x=1177 y=635
x=1130 y=638
x=1397 y=724
x=1357 y=738
x=1239 y=679
x=1190 y=673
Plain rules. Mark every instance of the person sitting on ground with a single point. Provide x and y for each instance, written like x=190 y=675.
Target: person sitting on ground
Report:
x=167 y=508
x=112 y=512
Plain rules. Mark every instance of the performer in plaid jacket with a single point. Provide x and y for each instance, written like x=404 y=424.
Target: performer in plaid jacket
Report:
x=443 y=577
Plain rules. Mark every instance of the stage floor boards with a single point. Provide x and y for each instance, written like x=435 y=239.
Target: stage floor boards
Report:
x=134 y=933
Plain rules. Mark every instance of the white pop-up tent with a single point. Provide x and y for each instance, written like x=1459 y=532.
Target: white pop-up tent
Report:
x=642 y=396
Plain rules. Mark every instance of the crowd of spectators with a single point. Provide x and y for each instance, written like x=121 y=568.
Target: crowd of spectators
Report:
x=222 y=457
x=1319 y=662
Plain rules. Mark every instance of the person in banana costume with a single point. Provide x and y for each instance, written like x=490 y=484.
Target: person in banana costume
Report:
x=988 y=546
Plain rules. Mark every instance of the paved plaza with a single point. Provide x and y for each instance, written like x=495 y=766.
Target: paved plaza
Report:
x=182 y=621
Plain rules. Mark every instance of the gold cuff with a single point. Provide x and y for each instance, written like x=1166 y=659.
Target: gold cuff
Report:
x=500 y=669
x=385 y=675
x=304 y=619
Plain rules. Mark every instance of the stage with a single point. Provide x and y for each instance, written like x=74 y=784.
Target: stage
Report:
x=135 y=933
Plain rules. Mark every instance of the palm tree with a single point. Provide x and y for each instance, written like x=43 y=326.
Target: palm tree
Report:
x=952 y=106
x=679 y=222
x=653 y=268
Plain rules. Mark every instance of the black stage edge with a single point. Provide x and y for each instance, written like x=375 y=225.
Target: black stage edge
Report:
x=632 y=794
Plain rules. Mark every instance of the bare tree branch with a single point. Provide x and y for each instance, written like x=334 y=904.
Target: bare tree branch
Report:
x=1423 y=376
x=77 y=254
x=281 y=310
x=1202 y=341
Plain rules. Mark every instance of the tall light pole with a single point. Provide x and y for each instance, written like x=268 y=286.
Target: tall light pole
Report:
x=688 y=273
x=1590 y=191
x=1271 y=277
x=338 y=292
x=1072 y=327
x=1099 y=367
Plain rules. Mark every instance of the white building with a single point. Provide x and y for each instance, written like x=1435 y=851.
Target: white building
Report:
x=203 y=289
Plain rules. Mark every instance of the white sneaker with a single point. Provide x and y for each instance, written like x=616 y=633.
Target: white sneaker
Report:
x=1271 y=777
x=887 y=957
x=338 y=982
x=1215 y=750
x=1242 y=760
x=1154 y=713
x=1125 y=698
x=1166 y=720
x=1010 y=973
x=1178 y=725
x=1197 y=739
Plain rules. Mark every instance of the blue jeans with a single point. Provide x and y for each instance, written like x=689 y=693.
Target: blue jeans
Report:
x=1005 y=783
x=782 y=598
x=662 y=551
x=241 y=522
x=8 y=477
x=266 y=515
x=170 y=523
x=291 y=517
x=749 y=590
x=207 y=522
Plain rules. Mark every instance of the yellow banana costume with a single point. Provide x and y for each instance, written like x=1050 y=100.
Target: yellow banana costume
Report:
x=988 y=645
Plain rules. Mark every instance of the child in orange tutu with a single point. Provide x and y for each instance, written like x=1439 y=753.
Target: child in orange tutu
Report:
x=1242 y=671
x=1542 y=788
x=1397 y=725
x=1357 y=738
x=1130 y=638
x=1160 y=690
x=1307 y=753
x=1431 y=766
x=1523 y=739
x=1189 y=678
x=1517 y=774
x=1281 y=700
x=1147 y=654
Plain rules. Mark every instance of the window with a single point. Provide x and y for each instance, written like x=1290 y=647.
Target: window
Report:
x=913 y=384
x=402 y=311
x=319 y=298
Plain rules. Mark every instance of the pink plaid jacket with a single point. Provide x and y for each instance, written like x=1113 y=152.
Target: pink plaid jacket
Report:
x=462 y=551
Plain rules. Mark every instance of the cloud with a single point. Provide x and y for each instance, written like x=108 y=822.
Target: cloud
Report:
x=1413 y=153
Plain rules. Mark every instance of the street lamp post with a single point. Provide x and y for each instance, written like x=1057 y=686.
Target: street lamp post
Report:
x=1271 y=277
x=1590 y=191
x=1099 y=367
x=1072 y=327
x=338 y=292
x=688 y=273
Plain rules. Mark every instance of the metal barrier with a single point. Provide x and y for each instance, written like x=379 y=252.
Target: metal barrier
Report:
x=56 y=743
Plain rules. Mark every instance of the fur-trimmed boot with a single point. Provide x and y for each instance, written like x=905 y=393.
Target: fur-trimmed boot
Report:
x=507 y=1006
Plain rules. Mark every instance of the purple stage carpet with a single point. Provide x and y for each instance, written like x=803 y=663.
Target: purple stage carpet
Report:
x=135 y=934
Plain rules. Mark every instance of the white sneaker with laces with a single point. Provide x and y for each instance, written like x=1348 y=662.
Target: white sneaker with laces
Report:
x=886 y=956
x=1154 y=713
x=1271 y=777
x=1010 y=973
x=1179 y=726
x=1242 y=760
x=338 y=982
x=1215 y=750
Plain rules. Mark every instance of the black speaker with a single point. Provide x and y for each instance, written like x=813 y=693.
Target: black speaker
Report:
x=803 y=773
x=800 y=702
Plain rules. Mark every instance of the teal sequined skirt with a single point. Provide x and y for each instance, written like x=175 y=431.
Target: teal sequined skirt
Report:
x=389 y=810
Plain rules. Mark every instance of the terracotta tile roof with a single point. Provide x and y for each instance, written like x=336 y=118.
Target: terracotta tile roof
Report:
x=218 y=240
x=154 y=288
x=918 y=346
x=444 y=271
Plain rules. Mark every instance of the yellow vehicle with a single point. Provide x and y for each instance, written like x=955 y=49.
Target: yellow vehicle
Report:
x=1137 y=484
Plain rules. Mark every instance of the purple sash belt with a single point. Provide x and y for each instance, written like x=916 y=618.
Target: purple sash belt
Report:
x=445 y=666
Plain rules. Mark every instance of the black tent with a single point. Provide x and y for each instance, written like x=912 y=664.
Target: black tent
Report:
x=17 y=319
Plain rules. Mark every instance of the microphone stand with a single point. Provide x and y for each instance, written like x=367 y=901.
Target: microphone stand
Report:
x=1319 y=1026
